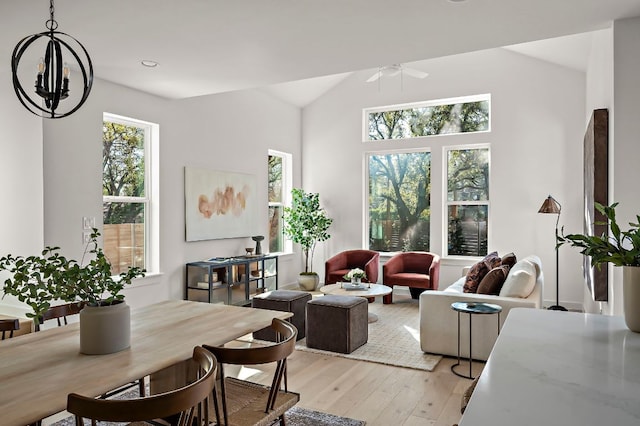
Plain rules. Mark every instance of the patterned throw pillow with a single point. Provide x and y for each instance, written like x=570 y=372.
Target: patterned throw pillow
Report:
x=493 y=281
x=479 y=270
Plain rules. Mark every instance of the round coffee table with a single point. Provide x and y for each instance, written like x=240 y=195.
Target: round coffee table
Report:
x=368 y=290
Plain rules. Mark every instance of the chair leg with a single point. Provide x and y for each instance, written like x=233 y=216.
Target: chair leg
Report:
x=387 y=299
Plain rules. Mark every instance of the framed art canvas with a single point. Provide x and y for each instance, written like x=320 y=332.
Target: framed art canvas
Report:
x=596 y=171
x=219 y=204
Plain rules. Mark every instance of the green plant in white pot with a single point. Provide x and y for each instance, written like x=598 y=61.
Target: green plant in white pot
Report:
x=621 y=248
x=306 y=223
x=40 y=280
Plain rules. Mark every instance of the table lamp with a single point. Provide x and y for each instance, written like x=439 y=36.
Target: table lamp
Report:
x=550 y=205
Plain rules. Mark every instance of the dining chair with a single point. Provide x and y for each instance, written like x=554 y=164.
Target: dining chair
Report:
x=9 y=325
x=185 y=406
x=245 y=403
x=60 y=313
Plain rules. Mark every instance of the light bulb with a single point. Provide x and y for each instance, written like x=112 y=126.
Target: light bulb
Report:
x=41 y=66
x=65 y=71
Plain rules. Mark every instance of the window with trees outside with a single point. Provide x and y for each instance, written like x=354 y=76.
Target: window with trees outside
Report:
x=126 y=191
x=468 y=114
x=399 y=181
x=399 y=201
x=279 y=176
x=467 y=201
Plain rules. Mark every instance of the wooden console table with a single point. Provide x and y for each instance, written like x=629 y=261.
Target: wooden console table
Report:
x=559 y=368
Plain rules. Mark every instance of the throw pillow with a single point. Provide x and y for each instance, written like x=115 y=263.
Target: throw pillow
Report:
x=509 y=259
x=492 y=260
x=493 y=281
x=474 y=276
x=521 y=280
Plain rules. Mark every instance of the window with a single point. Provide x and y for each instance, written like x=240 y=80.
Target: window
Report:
x=279 y=176
x=127 y=192
x=399 y=200
x=467 y=201
x=467 y=114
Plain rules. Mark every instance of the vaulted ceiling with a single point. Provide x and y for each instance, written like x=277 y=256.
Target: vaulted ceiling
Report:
x=213 y=46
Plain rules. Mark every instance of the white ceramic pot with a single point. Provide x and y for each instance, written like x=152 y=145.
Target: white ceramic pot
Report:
x=631 y=297
x=308 y=282
x=105 y=329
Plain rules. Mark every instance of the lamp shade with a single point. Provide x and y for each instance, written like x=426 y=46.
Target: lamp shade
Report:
x=550 y=205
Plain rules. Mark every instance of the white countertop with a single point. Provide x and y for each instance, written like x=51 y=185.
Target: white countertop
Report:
x=559 y=368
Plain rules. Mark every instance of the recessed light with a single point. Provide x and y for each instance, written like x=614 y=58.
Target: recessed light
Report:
x=457 y=1
x=148 y=63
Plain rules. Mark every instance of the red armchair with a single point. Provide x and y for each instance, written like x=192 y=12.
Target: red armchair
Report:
x=417 y=270
x=337 y=266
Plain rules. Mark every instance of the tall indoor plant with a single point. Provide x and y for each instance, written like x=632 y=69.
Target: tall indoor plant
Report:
x=40 y=280
x=621 y=248
x=306 y=223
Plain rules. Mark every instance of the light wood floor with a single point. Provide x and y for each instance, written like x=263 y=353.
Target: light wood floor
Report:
x=376 y=393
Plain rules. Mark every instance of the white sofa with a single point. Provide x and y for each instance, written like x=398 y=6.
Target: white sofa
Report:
x=439 y=323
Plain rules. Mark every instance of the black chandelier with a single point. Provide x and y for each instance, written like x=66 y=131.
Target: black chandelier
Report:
x=52 y=79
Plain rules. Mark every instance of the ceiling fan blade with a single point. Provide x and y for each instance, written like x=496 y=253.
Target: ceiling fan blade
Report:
x=415 y=73
x=374 y=77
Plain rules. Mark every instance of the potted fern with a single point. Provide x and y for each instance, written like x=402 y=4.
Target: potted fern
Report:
x=621 y=248
x=41 y=280
x=306 y=223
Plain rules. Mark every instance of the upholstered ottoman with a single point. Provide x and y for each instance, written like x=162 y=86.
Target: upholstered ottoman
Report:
x=337 y=323
x=286 y=301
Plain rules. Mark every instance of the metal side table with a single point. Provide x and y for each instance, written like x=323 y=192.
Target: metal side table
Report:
x=472 y=308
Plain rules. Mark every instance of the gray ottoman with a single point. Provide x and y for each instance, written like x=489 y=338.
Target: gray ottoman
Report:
x=286 y=301
x=337 y=323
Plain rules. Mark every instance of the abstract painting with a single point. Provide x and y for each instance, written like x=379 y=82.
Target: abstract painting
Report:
x=596 y=182
x=219 y=204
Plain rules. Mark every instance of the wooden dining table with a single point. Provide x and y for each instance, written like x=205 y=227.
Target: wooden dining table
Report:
x=39 y=370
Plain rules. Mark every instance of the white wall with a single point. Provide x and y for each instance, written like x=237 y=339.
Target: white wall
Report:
x=229 y=132
x=538 y=114
x=21 y=217
x=626 y=149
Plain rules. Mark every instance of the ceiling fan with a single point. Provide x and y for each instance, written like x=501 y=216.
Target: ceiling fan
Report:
x=395 y=69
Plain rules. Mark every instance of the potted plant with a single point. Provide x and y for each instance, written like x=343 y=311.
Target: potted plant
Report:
x=355 y=275
x=40 y=280
x=621 y=248
x=305 y=223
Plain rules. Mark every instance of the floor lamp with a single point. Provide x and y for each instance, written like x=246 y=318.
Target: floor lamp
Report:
x=550 y=205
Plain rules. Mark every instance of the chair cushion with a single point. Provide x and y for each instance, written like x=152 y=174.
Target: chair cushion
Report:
x=410 y=279
x=493 y=281
x=521 y=280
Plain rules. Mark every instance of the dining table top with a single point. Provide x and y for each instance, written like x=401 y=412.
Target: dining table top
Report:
x=38 y=370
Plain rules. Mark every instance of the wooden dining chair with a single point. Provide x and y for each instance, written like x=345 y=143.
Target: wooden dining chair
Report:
x=60 y=313
x=9 y=326
x=245 y=403
x=185 y=406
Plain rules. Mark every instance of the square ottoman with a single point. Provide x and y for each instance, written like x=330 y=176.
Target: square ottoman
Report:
x=286 y=301
x=337 y=323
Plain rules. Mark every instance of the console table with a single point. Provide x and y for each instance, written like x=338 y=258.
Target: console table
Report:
x=559 y=368
x=231 y=280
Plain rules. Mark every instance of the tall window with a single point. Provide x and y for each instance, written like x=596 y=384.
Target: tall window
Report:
x=279 y=174
x=126 y=191
x=399 y=201
x=467 y=201
x=467 y=114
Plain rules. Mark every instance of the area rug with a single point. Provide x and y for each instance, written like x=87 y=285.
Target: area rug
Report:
x=393 y=340
x=296 y=416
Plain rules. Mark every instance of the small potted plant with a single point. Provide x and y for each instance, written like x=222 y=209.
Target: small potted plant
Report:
x=621 y=248
x=40 y=280
x=306 y=224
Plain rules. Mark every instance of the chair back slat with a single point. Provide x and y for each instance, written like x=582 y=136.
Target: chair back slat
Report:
x=9 y=325
x=188 y=402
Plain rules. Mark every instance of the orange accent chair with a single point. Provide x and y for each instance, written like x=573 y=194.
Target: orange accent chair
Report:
x=417 y=270
x=337 y=266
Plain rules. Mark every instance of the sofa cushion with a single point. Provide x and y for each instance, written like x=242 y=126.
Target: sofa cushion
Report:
x=509 y=259
x=479 y=270
x=521 y=280
x=493 y=281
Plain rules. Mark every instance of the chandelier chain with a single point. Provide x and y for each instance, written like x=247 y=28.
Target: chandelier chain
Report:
x=51 y=24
